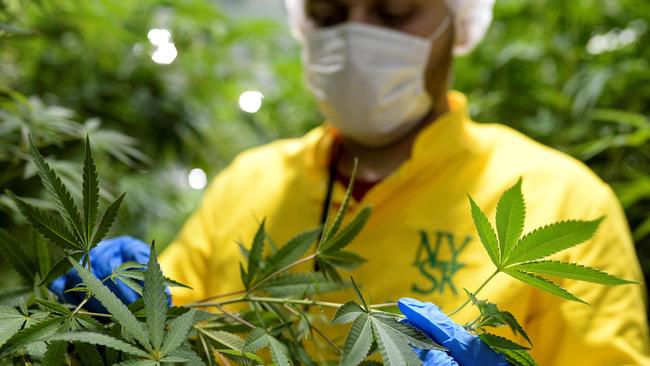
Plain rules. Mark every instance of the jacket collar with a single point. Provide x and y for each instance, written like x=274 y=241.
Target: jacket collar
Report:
x=440 y=141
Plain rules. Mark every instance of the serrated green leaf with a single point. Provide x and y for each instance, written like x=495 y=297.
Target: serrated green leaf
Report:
x=88 y=323
x=412 y=335
x=338 y=220
x=55 y=354
x=257 y=249
x=329 y=270
x=229 y=340
x=390 y=346
x=186 y=352
x=492 y=316
x=11 y=321
x=138 y=275
x=99 y=339
x=173 y=359
x=347 y=313
x=115 y=306
x=42 y=255
x=518 y=357
x=347 y=234
x=60 y=268
x=16 y=256
x=256 y=340
x=245 y=279
x=497 y=342
x=130 y=283
x=137 y=363
x=543 y=284
x=88 y=354
x=357 y=290
x=357 y=345
x=12 y=296
x=293 y=250
x=343 y=259
x=279 y=352
x=179 y=328
x=301 y=284
x=551 y=239
x=571 y=271
x=246 y=355
x=107 y=220
x=47 y=225
x=155 y=300
x=486 y=233
x=510 y=216
x=59 y=192
x=90 y=193
x=53 y=306
x=34 y=332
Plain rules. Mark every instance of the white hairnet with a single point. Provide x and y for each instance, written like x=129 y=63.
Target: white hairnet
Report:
x=472 y=19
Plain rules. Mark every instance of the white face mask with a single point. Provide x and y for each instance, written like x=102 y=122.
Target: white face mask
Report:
x=369 y=80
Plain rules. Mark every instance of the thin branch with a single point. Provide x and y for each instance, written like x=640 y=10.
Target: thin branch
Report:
x=211 y=298
x=329 y=341
x=205 y=349
x=475 y=293
x=280 y=271
x=234 y=316
x=81 y=304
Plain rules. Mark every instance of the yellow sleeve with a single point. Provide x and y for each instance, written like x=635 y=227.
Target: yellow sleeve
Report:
x=613 y=329
x=191 y=258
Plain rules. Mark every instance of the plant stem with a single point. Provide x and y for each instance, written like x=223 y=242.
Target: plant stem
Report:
x=234 y=293
x=475 y=293
x=99 y=315
x=236 y=317
x=280 y=271
x=273 y=300
x=208 y=300
x=81 y=304
x=330 y=342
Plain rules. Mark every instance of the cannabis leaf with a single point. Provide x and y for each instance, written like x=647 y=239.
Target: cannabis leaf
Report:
x=492 y=316
x=74 y=236
x=150 y=340
x=394 y=338
x=155 y=300
x=15 y=255
x=259 y=339
x=59 y=193
x=330 y=253
x=90 y=192
x=524 y=258
x=100 y=340
x=11 y=321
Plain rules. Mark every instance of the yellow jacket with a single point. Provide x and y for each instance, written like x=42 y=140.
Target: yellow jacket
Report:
x=285 y=182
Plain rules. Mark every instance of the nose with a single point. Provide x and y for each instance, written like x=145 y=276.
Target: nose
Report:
x=359 y=13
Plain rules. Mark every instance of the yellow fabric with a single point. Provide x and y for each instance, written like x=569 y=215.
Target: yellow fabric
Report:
x=426 y=198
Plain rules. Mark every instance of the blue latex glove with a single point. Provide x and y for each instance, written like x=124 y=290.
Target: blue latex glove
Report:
x=464 y=348
x=104 y=258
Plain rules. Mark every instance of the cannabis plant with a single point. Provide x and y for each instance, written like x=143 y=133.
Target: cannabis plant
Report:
x=277 y=320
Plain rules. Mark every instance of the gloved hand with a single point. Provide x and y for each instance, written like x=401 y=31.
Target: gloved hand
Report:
x=464 y=348
x=104 y=258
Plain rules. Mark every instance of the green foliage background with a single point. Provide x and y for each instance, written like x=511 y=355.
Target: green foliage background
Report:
x=68 y=67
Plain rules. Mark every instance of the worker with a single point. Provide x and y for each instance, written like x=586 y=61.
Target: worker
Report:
x=381 y=71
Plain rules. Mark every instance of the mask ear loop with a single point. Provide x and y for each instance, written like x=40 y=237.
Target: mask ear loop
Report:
x=441 y=28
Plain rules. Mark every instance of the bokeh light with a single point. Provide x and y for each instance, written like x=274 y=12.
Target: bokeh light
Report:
x=197 y=179
x=165 y=51
x=251 y=101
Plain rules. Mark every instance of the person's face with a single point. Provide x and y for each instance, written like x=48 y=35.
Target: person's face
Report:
x=417 y=17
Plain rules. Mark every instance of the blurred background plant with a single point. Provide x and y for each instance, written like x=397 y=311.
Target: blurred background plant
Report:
x=171 y=91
